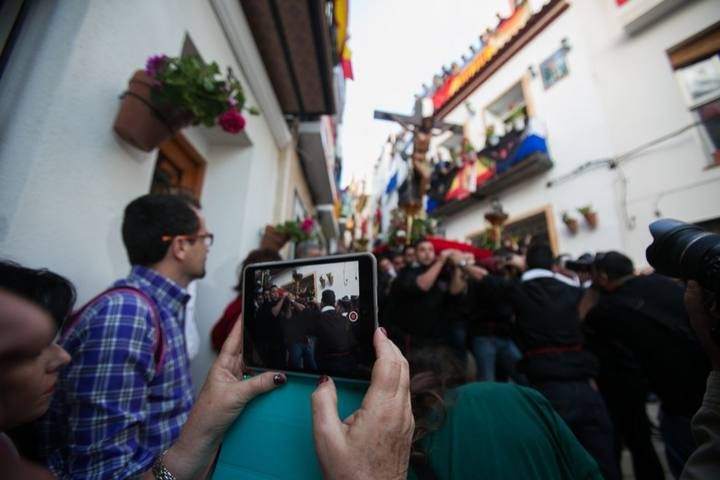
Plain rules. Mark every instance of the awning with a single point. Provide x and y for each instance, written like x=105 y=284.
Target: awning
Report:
x=294 y=41
x=318 y=159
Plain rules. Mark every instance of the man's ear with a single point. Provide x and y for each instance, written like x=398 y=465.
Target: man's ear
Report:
x=178 y=248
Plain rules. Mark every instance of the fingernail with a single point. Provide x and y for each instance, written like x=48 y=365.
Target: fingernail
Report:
x=279 y=379
x=323 y=379
x=384 y=332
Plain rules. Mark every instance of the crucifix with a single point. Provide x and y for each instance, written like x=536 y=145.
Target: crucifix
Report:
x=423 y=126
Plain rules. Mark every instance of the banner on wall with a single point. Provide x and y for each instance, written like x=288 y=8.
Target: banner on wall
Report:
x=502 y=34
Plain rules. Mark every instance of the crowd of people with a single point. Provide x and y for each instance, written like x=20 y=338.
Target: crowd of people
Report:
x=597 y=340
x=566 y=363
x=286 y=331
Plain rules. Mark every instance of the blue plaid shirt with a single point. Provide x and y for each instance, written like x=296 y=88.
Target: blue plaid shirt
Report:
x=112 y=415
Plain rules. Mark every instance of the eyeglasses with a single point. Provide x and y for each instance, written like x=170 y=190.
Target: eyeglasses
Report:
x=208 y=238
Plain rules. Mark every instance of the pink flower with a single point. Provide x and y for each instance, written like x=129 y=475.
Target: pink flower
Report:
x=231 y=120
x=307 y=225
x=232 y=101
x=155 y=63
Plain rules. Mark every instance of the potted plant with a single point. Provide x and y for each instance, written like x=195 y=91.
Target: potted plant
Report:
x=496 y=216
x=590 y=215
x=174 y=92
x=491 y=138
x=297 y=230
x=570 y=223
x=517 y=118
x=273 y=239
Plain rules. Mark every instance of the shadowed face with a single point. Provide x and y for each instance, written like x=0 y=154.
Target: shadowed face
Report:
x=29 y=360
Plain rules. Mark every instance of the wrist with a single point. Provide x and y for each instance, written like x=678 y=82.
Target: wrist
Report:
x=192 y=453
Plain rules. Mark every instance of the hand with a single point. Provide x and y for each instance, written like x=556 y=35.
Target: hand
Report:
x=517 y=261
x=225 y=393
x=374 y=442
x=457 y=257
x=222 y=398
x=469 y=258
x=702 y=321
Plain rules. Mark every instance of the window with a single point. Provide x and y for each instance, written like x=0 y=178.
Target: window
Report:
x=538 y=224
x=535 y=225
x=509 y=112
x=179 y=167
x=697 y=68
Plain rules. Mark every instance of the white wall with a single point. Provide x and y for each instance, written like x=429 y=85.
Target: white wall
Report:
x=620 y=93
x=573 y=116
x=642 y=101
x=64 y=176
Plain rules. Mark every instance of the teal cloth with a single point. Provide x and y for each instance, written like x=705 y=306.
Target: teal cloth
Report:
x=272 y=438
x=496 y=430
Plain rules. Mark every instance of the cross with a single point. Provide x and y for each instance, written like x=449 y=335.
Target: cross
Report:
x=422 y=125
x=415 y=120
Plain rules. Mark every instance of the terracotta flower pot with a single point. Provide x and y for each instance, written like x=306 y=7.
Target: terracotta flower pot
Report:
x=496 y=218
x=591 y=219
x=272 y=239
x=572 y=226
x=142 y=123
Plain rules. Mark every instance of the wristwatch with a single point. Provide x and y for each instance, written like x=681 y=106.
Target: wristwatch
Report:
x=160 y=471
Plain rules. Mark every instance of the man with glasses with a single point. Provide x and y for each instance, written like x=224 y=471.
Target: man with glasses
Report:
x=127 y=392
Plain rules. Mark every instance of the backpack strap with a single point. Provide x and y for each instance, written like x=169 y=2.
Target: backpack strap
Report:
x=159 y=346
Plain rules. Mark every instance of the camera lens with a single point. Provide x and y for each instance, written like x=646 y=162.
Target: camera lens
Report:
x=685 y=251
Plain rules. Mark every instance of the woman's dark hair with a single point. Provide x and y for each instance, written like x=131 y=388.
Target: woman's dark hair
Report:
x=48 y=290
x=433 y=371
x=258 y=255
x=151 y=217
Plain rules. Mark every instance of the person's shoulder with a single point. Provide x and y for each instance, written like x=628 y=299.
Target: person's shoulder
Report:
x=121 y=307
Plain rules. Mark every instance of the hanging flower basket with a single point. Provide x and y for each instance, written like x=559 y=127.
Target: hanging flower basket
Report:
x=571 y=224
x=143 y=124
x=590 y=215
x=173 y=93
x=272 y=239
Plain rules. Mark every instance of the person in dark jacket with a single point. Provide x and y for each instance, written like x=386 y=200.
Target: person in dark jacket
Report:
x=490 y=329
x=423 y=295
x=335 y=338
x=639 y=329
x=554 y=358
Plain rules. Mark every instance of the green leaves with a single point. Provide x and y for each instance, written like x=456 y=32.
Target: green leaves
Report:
x=190 y=84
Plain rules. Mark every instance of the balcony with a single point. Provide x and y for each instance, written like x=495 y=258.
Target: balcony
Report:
x=514 y=158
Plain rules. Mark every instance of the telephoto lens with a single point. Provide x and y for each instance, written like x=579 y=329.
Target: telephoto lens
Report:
x=686 y=251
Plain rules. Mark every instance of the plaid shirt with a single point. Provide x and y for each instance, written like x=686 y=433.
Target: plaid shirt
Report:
x=112 y=415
